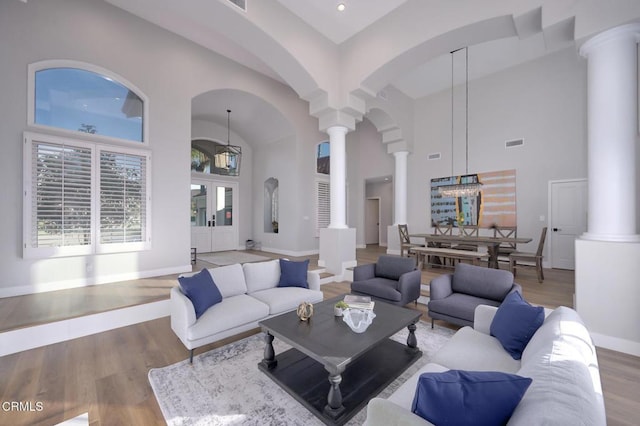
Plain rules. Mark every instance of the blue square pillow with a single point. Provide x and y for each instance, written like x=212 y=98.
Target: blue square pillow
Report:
x=293 y=274
x=460 y=398
x=515 y=323
x=201 y=290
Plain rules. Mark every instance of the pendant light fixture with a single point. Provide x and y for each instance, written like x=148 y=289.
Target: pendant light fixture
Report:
x=468 y=185
x=227 y=157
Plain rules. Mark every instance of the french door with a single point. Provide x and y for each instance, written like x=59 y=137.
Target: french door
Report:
x=214 y=224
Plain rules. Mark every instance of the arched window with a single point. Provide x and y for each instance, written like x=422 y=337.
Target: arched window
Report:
x=84 y=194
x=83 y=98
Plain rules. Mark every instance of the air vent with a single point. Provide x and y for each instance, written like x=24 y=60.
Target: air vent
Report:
x=434 y=156
x=514 y=143
x=242 y=4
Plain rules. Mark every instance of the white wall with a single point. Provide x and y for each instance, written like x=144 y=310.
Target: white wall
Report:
x=607 y=293
x=170 y=71
x=366 y=158
x=543 y=102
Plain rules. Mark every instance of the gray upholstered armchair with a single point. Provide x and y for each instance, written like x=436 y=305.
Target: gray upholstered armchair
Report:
x=392 y=279
x=454 y=297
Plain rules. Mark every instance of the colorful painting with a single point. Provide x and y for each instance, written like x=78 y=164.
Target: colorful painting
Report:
x=494 y=205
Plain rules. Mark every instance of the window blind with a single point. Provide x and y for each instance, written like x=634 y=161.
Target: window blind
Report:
x=123 y=198
x=61 y=205
x=323 y=205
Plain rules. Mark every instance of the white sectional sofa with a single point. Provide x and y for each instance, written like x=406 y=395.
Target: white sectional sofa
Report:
x=560 y=359
x=250 y=294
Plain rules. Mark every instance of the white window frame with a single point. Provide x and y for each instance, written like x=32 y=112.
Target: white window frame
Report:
x=94 y=247
x=64 y=63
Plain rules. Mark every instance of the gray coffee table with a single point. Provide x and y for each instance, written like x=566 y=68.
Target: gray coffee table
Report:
x=358 y=366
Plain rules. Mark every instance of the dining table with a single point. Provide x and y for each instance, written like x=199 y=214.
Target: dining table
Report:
x=491 y=243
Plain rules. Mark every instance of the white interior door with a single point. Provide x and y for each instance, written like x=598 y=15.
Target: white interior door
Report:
x=568 y=206
x=372 y=221
x=214 y=224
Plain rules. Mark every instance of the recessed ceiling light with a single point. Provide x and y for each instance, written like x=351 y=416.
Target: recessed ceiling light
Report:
x=341 y=7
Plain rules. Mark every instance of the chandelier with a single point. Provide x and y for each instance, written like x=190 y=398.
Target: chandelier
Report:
x=226 y=158
x=468 y=185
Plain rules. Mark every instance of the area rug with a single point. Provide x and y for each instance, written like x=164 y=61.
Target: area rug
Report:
x=230 y=257
x=225 y=387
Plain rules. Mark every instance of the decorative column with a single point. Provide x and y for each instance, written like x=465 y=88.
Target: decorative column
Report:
x=338 y=173
x=607 y=254
x=337 y=242
x=612 y=115
x=400 y=188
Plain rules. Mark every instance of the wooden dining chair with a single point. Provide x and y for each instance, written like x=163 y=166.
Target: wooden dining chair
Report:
x=505 y=249
x=519 y=256
x=405 y=241
x=468 y=231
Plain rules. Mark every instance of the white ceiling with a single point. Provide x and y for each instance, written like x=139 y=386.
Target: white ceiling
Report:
x=323 y=15
x=254 y=116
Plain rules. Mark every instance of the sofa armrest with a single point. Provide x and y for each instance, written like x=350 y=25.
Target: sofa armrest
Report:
x=183 y=315
x=516 y=287
x=440 y=287
x=483 y=317
x=409 y=284
x=364 y=272
x=313 y=280
x=381 y=412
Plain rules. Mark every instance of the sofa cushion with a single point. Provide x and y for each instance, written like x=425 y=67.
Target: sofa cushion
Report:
x=459 y=305
x=515 y=323
x=285 y=299
x=561 y=359
x=261 y=275
x=483 y=282
x=382 y=288
x=232 y=312
x=293 y=274
x=201 y=290
x=229 y=279
x=392 y=267
x=469 y=349
x=458 y=397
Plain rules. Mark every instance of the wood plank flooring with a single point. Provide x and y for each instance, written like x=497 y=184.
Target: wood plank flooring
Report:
x=106 y=374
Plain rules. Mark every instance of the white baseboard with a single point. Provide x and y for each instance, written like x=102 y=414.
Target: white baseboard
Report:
x=60 y=331
x=616 y=344
x=84 y=282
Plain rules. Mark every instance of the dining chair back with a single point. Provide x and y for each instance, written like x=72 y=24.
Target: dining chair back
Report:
x=517 y=257
x=505 y=249
x=442 y=229
x=405 y=240
x=467 y=231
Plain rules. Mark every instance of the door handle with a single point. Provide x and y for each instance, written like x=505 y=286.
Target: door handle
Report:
x=556 y=229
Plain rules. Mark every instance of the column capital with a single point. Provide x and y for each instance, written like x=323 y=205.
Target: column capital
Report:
x=629 y=32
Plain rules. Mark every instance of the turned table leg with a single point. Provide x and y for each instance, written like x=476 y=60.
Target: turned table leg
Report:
x=269 y=357
x=334 y=405
x=412 y=341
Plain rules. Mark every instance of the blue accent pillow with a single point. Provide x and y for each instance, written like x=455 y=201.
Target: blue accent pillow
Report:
x=459 y=398
x=515 y=323
x=293 y=274
x=201 y=290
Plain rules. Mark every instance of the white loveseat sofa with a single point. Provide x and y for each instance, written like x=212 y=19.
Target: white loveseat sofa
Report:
x=250 y=294
x=560 y=359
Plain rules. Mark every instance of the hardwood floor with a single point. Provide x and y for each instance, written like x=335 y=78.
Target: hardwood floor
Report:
x=106 y=374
